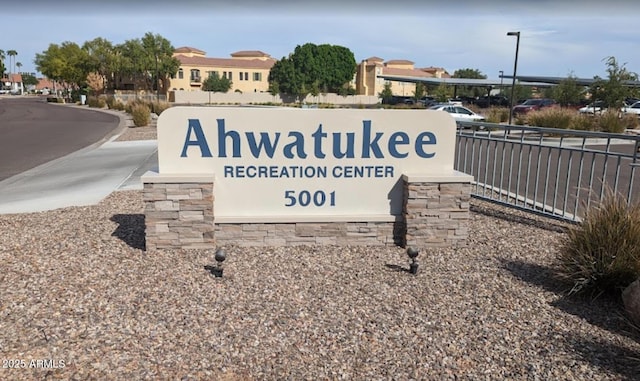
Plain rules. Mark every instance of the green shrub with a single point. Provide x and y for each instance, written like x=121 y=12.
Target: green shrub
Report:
x=602 y=254
x=609 y=121
x=141 y=115
x=551 y=117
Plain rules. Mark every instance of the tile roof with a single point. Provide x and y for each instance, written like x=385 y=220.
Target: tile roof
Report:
x=407 y=72
x=188 y=49
x=399 y=62
x=226 y=62
x=15 y=77
x=250 y=53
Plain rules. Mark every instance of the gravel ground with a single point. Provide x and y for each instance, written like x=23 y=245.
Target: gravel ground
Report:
x=139 y=133
x=77 y=287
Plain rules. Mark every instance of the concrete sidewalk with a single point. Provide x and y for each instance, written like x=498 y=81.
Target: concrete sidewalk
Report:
x=82 y=178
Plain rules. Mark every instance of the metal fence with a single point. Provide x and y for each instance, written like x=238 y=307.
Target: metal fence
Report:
x=555 y=172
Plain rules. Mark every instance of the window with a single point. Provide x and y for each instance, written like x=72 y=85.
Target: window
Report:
x=241 y=76
x=230 y=76
x=246 y=76
x=195 y=75
x=212 y=73
x=257 y=76
x=180 y=74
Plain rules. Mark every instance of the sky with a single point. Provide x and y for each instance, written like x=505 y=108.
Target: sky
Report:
x=557 y=38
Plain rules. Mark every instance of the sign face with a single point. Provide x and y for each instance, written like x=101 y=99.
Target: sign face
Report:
x=290 y=164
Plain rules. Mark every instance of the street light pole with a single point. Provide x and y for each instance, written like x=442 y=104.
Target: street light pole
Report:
x=515 y=68
x=501 y=79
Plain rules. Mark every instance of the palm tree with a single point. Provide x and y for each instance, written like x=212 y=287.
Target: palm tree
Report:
x=18 y=65
x=2 y=57
x=12 y=53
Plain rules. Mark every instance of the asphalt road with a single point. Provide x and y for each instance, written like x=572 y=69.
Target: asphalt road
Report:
x=34 y=132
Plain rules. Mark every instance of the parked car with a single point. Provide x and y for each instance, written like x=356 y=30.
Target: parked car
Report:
x=533 y=105
x=593 y=108
x=633 y=109
x=630 y=100
x=459 y=113
x=494 y=100
x=427 y=101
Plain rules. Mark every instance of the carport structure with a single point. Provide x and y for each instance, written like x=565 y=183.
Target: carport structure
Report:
x=489 y=84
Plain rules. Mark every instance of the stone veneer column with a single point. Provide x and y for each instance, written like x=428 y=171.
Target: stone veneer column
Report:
x=436 y=210
x=178 y=211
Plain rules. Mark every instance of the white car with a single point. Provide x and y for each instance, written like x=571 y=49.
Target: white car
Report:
x=633 y=109
x=594 y=108
x=459 y=113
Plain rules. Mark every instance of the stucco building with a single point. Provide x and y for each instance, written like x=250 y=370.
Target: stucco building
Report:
x=248 y=70
x=368 y=83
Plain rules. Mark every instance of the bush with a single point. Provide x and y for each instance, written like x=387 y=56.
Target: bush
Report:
x=97 y=102
x=630 y=121
x=159 y=107
x=609 y=121
x=583 y=122
x=551 y=117
x=137 y=102
x=118 y=105
x=602 y=254
x=497 y=115
x=141 y=115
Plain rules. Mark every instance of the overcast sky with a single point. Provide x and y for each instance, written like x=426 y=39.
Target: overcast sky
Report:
x=558 y=38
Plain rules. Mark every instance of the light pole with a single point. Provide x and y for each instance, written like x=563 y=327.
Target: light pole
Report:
x=515 y=68
x=501 y=79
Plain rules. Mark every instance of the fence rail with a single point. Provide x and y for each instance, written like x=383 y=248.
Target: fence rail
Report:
x=555 y=172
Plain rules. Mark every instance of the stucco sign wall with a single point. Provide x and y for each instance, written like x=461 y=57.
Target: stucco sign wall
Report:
x=289 y=165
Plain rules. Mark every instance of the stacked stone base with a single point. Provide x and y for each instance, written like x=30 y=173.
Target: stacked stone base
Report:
x=436 y=213
x=178 y=212
x=311 y=233
x=179 y=215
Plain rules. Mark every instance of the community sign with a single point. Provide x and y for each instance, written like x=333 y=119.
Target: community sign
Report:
x=275 y=164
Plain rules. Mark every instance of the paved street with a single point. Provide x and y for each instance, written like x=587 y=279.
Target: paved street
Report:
x=34 y=132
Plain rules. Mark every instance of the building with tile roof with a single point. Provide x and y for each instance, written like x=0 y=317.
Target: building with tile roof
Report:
x=369 y=70
x=248 y=70
x=12 y=82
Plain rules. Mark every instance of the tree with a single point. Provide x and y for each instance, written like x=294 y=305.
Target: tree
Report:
x=386 y=95
x=18 y=65
x=521 y=92
x=64 y=63
x=148 y=61
x=216 y=84
x=313 y=69
x=443 y=92
x=567 y=92
x=102 y=61
x=2 y=68
x=468 y=73
x=613 y=91
x=29 y=80
x=419 y=92
x=159 y=62
x=12 y=54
